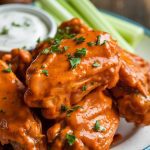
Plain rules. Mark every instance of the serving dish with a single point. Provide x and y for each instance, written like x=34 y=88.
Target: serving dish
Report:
x=134 y=138
x=47 y=20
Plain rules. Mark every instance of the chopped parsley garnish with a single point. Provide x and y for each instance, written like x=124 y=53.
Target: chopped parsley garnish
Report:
x=26 y=23
x=74 y=62
x=79 y=40
x=69 y=111
x=4 y=31
x=38 y=40
x=45 y=72
x=70 y=139
x=69 y=56
x=91 y=43
x=43 y=66
x=64 y=108
x=80 y=52
x=65 y=48
x=96 y=64
x=45 y=51
x=55 y=49
x=97 y=127
x=7 y=70
x=84 y=87
x=15 y=24
x=24 y=47
x=100 y=41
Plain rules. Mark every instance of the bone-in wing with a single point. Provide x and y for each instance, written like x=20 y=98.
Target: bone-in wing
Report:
x=90 y=125
x=18 y=126
x=65 y=77
x=133 y=90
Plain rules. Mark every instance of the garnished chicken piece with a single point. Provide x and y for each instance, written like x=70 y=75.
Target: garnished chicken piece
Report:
x=19 y=60
x=133 y=90
x=90 y=125
x=70 y=69
x=75 y=26
x=71 y=27
x=18 y=125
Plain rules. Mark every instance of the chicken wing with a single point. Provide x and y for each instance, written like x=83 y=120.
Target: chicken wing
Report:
x=18 y=125
x=133 y=90
x=90 y=125
x=19 y=60
x=66 y=72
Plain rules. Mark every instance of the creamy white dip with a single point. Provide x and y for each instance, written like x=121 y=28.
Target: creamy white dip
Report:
x=20 y=29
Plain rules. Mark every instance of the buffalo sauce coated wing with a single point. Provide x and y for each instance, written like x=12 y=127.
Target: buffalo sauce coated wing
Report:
x=133 y=90
x=17 y=124
x=65 y=73
x=20 y=60
x=90 y=125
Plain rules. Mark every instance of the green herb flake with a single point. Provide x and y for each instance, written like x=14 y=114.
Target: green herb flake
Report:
x=69 y=56
x=100 y=41
x=91 y=43
x=45 y=72
x=84 y=87
x=26 y=23
x=43 y=66
x=96 y=64
x=38 y=40
x=15 y=24
x=74 y=62
x=97 y=127
x=45 y=51
x=69 y=111
x=70 y=139
x=65 y=48
x=7 y=70
x=4 y=31
x=64 y=108
x=79 y=40
x=55 y=49
x=80 y=52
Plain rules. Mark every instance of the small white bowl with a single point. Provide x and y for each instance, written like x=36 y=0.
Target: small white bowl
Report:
x=42 y=15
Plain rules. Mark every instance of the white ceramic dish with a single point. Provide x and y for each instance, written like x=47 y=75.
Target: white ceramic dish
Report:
x=47 y=20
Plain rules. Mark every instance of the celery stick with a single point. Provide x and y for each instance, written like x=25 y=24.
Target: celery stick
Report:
x=97 y=21
x=38 y=4
x=68 y=7
x=132 y=33
x=57 y=9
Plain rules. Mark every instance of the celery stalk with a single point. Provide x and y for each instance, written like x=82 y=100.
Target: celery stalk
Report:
x=97 y=21
x=59 y=11
x=132 y=33
x=38 y=4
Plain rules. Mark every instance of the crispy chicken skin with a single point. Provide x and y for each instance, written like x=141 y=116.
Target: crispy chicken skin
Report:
x=18 y=126
x=133 y=90
x=75 y=26
x=62 y=85
x=95 y=107
x=20 y=60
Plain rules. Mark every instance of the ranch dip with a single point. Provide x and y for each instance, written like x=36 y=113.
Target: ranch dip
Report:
x=20 y=29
